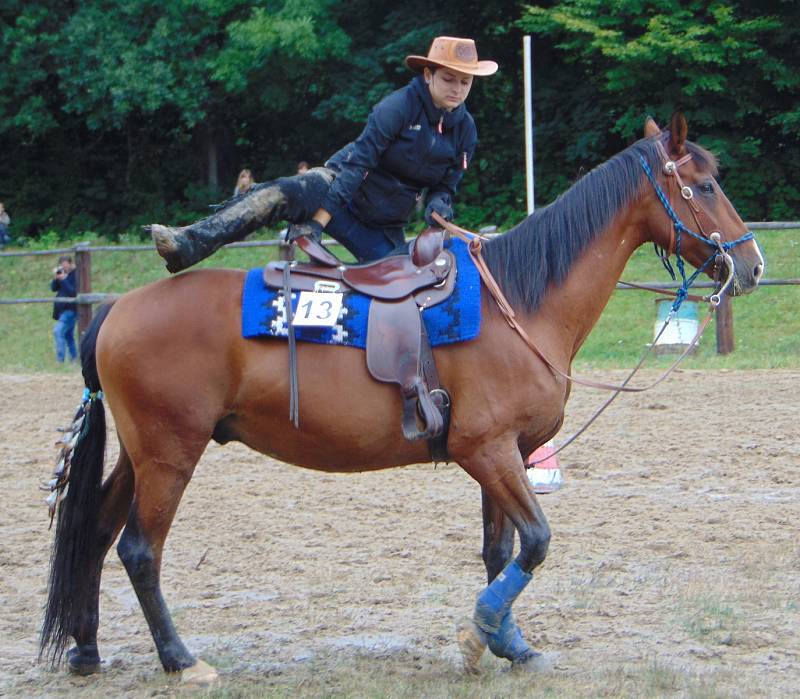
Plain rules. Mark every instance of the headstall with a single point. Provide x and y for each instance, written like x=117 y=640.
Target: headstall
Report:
x=671 y=169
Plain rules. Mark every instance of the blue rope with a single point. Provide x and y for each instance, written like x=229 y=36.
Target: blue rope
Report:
x=89 y=396
x=683 y=291
x=679 y=227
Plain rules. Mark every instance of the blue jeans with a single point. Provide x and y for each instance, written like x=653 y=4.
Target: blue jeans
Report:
x=64 y=335
x=364 y=242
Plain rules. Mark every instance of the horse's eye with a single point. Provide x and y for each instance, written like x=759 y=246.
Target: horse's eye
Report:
x=707 y=188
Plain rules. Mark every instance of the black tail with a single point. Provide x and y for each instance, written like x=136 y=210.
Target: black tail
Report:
x=76 y=541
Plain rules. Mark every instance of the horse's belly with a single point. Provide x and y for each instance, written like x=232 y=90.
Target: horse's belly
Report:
x=348 y=421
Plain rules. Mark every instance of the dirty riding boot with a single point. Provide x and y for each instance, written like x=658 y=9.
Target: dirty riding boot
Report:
x=294 y=199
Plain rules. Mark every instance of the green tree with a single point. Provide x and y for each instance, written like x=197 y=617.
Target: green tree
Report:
x=135 y=86
x=728 y=64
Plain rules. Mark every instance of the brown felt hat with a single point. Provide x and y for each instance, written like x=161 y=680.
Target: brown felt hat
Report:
x=456 y=54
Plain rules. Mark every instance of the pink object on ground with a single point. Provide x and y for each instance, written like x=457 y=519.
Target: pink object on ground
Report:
x=545 y=476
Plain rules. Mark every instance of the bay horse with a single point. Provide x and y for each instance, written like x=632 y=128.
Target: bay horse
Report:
x=175 y=372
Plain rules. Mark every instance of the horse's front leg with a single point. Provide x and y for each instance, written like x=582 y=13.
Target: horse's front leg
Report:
x=498 y=545
x=508 y=503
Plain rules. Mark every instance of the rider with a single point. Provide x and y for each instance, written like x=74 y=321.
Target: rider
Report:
x=420 y=136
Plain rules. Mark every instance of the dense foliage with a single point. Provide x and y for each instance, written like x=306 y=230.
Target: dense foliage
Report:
x=115 y=114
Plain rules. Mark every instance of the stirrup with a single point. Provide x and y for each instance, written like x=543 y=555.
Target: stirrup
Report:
x=418 y=402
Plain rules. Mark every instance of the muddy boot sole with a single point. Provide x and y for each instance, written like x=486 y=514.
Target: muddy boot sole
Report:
x=172 y=245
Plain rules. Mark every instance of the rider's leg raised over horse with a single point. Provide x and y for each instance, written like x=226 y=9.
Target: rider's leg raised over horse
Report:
x=294 y=199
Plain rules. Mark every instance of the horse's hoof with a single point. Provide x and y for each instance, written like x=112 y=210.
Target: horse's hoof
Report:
x=82 y=662
x=472 y=642
x=199 y=674
x=533 y=662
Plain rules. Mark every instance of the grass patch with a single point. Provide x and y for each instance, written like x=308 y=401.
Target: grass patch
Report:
x=710 y=619
x=413 y=677
x=766 y=324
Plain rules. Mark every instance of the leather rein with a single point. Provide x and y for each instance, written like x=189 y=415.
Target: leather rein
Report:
x=714 y=240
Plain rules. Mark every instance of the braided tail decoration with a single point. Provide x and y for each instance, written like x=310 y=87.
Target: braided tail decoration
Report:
x=58 y=485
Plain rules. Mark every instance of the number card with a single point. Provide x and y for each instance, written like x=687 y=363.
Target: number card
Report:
x=318 y=309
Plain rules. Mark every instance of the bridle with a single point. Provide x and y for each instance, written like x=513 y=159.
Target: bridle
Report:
x=709 y=232
x=713 y=239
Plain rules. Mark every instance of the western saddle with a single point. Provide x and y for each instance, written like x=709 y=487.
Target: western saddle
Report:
x=398 y=350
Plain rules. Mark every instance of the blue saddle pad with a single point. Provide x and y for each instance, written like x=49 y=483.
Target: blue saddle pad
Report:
x=455 y=320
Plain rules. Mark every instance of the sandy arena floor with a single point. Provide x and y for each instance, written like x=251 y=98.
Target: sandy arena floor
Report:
x=674 y=539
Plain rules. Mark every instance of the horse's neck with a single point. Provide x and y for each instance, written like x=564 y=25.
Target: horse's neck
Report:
x=574 y=307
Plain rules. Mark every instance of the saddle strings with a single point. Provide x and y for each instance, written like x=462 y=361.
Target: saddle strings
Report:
x=294 y=394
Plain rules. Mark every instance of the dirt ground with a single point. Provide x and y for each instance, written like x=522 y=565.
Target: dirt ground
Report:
x=675 y=544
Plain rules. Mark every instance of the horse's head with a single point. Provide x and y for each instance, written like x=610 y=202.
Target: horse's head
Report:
x=694 y=217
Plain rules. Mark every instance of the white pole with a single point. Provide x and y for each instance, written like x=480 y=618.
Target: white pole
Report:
x=527 y=72
x=546 y=477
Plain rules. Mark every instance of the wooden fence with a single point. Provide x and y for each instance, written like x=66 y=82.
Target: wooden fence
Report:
x=86 y=298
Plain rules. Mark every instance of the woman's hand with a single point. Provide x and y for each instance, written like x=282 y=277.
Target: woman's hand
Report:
x=441 y=206
x=311 y=229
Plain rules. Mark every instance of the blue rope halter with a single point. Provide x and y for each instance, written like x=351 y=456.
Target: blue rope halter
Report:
x=680 y=228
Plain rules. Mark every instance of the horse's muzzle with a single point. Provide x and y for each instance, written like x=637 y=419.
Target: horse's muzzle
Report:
x=748 y=270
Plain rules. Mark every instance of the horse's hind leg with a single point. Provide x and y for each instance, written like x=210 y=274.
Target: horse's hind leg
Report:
x=117 y=494
x=507 y=497
x=160 y=482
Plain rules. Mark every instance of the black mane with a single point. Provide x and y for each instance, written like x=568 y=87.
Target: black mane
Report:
x=544 y=246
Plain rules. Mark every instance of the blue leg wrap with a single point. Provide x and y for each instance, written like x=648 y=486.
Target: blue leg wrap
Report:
x=507 y=642
x=496 y=600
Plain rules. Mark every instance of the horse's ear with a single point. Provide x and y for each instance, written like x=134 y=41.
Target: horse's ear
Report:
x=651 y=128
x=678 y=130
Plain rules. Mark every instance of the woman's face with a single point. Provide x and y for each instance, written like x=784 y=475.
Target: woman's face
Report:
x=449 y=88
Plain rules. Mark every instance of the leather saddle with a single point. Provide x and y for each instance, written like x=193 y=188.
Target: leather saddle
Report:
x=398 y=351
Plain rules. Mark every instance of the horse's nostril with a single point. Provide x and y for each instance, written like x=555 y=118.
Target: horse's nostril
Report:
x=758 y=270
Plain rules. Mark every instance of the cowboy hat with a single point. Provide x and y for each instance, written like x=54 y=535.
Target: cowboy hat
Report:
x=457 y=54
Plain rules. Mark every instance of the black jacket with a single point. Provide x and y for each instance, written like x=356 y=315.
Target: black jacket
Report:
x=65 y=287
x=407 y=145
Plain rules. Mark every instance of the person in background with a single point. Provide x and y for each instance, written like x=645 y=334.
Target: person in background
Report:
x=302 y=167
x=5 y=222
x=243 y=183
x=420 y=138
x=65 y=314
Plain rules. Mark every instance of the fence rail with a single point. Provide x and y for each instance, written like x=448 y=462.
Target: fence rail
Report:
x=86 y=298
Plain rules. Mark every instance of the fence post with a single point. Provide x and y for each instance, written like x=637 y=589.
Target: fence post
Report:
x=83 y=260
x=724 y=325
